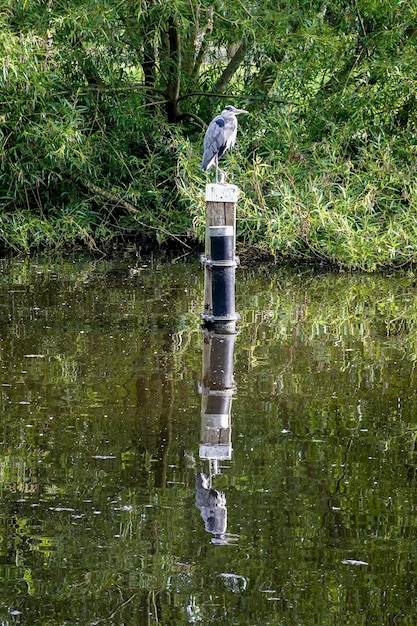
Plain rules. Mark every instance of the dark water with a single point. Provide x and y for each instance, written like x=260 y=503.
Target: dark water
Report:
x=313 y=520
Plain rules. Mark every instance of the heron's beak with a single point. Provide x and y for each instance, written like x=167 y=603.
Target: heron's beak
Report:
x=240 y=111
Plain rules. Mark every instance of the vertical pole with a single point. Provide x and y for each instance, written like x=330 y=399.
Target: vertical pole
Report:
x=221 y=203
x=217 y=386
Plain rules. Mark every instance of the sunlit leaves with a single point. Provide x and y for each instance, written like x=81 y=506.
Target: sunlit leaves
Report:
x=326 y=160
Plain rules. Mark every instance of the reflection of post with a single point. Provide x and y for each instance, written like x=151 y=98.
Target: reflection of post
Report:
x=217 y=389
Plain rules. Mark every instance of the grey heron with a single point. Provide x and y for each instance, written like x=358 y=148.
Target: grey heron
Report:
x=219 y=137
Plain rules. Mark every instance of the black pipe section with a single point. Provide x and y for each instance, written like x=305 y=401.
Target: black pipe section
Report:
x=223 y=292
x=221 y=362
x=223 y=266
x=218 y=407
x=221 y=243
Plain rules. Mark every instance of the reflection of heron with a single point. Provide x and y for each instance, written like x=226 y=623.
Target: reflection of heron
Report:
x=212 y=505
x=219 y=137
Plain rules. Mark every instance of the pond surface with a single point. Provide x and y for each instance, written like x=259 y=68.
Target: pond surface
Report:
x=108 y=513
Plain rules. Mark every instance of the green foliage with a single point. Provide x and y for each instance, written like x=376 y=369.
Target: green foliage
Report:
x=101 y=124
x=329 y=174
x=80 y=162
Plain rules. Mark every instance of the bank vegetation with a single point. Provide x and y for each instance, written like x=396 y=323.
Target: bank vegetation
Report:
x=104 y=105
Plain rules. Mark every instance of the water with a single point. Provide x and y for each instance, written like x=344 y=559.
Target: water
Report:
x=312 y=520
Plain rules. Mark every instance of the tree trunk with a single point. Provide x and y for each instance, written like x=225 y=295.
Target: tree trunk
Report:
x=231 y=68
x=173 y=70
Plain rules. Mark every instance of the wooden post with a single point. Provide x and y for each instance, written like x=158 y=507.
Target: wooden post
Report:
x=221 y=202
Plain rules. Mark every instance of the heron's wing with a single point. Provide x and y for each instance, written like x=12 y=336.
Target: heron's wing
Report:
x=214 y=142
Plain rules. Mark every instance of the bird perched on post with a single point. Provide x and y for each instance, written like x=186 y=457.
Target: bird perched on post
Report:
x=219 y=137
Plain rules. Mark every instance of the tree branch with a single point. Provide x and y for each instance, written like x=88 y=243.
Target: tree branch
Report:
x=192 y=116
x=232 y=67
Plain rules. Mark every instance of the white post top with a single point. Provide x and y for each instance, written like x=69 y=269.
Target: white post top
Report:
x=218 y=192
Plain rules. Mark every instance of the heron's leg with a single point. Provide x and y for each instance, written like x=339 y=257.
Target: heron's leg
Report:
x=216 y=162
x=223 y=176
